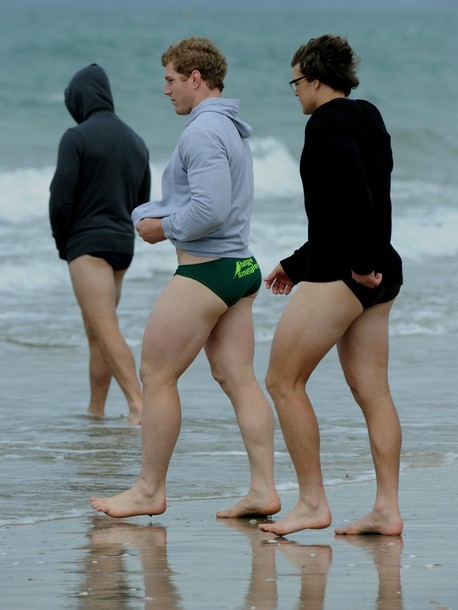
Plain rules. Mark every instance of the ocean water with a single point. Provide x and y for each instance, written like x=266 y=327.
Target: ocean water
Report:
x=53 y=457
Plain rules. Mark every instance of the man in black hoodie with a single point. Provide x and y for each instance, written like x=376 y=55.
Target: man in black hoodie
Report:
x=102 y=174
x=347 y=276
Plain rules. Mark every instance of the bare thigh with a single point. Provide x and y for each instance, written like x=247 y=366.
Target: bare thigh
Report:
x=230 y=346
x=363 y=351
x=316 y=317
x=179 y=325
x=96 y=286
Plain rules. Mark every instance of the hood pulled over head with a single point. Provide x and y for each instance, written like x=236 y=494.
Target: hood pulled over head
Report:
x=89 y=90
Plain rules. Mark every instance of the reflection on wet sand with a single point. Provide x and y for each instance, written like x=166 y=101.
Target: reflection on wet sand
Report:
x=111 y=574
x=262 y=583
x=313 y=562
x=386 y=553
x=128 y=564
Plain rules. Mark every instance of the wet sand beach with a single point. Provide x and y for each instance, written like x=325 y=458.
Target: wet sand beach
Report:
x=187 y=559
x=57 y=553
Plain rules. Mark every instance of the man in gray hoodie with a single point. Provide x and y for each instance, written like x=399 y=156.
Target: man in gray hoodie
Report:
x=102 y=173
x=205 y=210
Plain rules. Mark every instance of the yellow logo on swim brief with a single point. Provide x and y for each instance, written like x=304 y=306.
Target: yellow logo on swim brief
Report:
x=245 y=267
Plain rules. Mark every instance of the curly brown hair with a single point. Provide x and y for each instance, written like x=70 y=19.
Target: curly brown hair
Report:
x=197 y=54
x=329 y=59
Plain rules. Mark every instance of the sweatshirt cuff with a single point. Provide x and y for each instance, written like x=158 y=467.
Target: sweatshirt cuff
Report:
x=166 y=227
x=145 y=210
x=288 y=267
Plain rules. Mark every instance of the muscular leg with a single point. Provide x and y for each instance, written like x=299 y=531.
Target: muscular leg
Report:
x=315 y=318
x=363 y=353
x=177 y=329
x=97 y=289
x=230 y=352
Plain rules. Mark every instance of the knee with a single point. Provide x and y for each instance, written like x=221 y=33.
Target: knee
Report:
x=357 y=394
x=91 y=331
x=355 y=387
x=282 y=385
x=367 y=392
x=143 y=373
x=218 y=375
x=97 y=330
x=222 y=376
x=275 y=386
x=154 y=377
x=233 y=377
x=148 y=376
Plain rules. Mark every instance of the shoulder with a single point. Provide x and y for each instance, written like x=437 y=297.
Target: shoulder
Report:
x=326 y=120
x=208 y=122
x=334 y=111
x=72 y=137
x=208 y=128
x=342 y=115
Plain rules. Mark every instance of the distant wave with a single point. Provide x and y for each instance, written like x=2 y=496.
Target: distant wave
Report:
x=425 y=222
x=24 y=193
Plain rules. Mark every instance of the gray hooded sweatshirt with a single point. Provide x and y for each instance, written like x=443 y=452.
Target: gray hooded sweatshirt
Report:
x=207 y=187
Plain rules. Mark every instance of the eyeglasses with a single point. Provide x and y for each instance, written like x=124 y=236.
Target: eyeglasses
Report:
x=293 y=83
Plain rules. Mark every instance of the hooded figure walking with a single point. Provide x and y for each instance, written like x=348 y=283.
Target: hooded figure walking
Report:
x=102 y=174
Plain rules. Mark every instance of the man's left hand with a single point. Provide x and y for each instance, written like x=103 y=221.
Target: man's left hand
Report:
x=150 y=230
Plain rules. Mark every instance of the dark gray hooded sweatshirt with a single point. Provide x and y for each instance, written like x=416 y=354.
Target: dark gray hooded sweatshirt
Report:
x=102 y=173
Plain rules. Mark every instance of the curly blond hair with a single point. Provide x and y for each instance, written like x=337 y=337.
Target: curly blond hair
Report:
x=197 y=54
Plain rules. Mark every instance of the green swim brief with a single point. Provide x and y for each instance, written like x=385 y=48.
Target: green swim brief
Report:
x=229 y=278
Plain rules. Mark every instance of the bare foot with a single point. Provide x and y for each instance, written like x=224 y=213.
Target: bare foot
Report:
x=253 y=504
x=301 y=517
x=96 y=411
x=135 y=501
x=375 y=522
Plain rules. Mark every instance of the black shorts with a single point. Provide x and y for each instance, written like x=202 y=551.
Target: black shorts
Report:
x=368 y=297
x=117 y=260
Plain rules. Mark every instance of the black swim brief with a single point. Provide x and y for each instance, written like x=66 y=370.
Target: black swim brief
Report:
x=368 y=297
x=117 y=260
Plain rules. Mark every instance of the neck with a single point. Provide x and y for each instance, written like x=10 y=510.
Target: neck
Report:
x=327 y=93
x=205 y=94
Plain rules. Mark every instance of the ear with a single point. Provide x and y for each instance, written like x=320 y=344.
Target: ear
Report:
x=196 y=78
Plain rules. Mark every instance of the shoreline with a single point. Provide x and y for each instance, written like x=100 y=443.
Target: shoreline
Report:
x=187 y=559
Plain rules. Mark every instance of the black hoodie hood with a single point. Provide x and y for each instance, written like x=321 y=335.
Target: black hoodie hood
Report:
x=89 y=90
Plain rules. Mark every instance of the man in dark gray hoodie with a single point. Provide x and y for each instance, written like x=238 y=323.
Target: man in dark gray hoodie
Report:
x=102 y=174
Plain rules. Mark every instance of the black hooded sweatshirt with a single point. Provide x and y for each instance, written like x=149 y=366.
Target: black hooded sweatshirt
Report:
x=102 y=173
x=346 y=167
